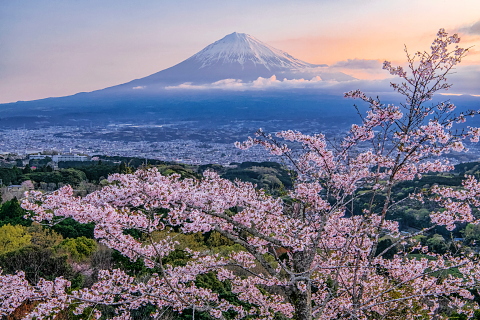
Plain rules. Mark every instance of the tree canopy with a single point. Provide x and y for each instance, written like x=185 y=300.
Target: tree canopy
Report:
x=305 y=254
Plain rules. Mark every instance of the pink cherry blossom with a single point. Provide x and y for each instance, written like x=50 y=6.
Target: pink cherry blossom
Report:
x=304 y=255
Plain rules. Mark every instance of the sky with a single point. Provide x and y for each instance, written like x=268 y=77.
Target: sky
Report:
x=56 y=48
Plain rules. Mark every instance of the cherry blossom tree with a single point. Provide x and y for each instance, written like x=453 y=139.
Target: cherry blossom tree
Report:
x=304 y=255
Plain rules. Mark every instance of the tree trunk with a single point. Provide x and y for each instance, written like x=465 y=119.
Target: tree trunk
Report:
x=302 y=299
x=302 y=302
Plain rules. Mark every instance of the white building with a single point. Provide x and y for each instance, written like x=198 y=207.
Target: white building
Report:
x=60 y=157
x=65 y=157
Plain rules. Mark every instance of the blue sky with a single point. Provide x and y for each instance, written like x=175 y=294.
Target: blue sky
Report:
x=55 y=48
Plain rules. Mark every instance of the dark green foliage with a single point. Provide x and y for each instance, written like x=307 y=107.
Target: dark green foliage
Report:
x=210 y=281
x=177 y=258
x=27 y=169
x=85 y=164
x=266 y=175
x=183 y=170
x=223 y=289
x=70 y=228
x=472 y=233
x=135 y=233
x=437 y=244
x=47 y=168
x=384 y=244
x=124 y=168
x=66 y=176
x=470 y=168
x=456 y=316
x=36 y=262
x=143 y=313
x=39 y=162
x=267 y=164
x=11 y=176
x=403 y=188
x=77 y=281
x=133 y=268
x=94 y=172
x=410 y=216
x=12 y=213
x=442 y=180
x=212 y=167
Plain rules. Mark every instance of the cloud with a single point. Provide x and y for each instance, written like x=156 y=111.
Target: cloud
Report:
x=465 y=82
x=358 y=64
x=258 y=84
x=367 y=69
x=473 y=29
x=372 y=87
x=450 y=94
x=138 y=87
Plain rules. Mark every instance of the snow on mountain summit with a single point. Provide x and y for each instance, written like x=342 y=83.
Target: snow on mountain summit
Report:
x=236 y=56
x=242 y=48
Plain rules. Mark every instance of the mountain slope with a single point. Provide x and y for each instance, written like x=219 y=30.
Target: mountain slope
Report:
x=236 y=56
x=243 y=49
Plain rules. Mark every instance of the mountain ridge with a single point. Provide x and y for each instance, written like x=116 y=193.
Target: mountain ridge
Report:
x=242 y=47
x=236 y=56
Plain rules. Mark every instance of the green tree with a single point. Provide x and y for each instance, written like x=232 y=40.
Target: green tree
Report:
x=27 y=169
x=13 y=238
x=37 y=263
x=472 y=233
x=67 y=176
x=12 y=213
x=80 y=248
x=385 y=244
x=10 y=175
x=124 y=168
x=70 y=228
x=43 y=237
x=437 y=244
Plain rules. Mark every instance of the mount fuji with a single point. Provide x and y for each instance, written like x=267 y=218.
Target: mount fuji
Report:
x=236 y=56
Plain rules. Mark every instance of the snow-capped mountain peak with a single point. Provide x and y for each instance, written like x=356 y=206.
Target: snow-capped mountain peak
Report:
x=244 y=49
x=236 y=56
